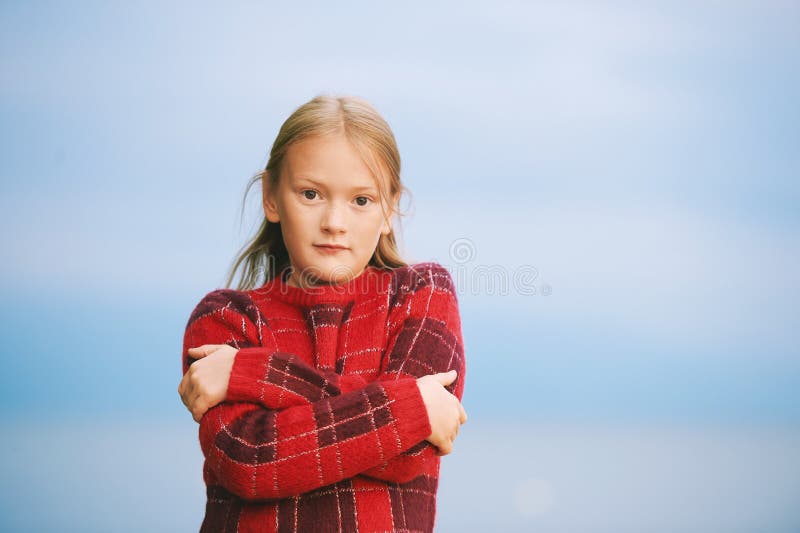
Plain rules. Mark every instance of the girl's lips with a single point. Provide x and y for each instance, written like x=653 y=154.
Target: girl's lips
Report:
x=330 y=249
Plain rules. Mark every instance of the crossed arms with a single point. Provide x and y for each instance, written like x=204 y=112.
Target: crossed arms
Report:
x=288 y=428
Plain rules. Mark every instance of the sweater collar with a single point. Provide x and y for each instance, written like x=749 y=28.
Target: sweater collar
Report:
x=369 y=281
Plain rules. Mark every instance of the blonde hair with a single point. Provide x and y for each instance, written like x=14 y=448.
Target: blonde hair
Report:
x=265 y=255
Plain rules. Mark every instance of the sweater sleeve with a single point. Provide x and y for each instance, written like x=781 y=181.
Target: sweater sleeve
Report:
x=424 y=337
x=259 y=453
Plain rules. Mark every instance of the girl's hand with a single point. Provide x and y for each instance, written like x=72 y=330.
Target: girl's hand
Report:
x=445 y=412
x=205 y=384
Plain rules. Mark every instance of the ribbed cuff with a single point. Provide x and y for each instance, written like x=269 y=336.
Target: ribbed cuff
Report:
x=247 y=375
x=408 y=409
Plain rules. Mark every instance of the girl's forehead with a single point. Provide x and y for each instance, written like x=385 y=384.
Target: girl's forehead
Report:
x=328 y=161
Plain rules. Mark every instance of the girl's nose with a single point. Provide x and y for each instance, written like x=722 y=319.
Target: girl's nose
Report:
x=334 y=220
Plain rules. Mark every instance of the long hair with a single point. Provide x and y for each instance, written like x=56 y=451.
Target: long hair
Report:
x=265 y=255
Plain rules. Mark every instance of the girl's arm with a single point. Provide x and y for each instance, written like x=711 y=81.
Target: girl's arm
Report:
x=258 y=453
x=424 y=338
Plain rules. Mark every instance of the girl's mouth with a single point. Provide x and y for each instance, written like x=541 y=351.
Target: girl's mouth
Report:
x=330 y=248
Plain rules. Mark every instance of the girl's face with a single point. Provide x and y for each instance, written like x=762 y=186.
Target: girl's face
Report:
x=329 y=208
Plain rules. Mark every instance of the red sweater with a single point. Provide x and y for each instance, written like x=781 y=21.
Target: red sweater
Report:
x=324 y=425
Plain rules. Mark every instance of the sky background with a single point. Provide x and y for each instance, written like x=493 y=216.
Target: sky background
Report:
x=613 y=185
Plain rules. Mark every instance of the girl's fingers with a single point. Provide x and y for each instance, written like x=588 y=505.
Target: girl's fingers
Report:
x=192 y=401
x=198 y=408
x=197 y=352
x=195 y=401
x=183 y=385
x=446 y=378
x=463 y=413
x=202 y=351
x=187 y=391
x=446 y=448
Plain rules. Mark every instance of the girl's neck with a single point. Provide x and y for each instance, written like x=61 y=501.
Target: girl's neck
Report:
x=369 y=281
x=295 y=279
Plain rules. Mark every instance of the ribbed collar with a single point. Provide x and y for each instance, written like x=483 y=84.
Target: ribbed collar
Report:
x=369 y=282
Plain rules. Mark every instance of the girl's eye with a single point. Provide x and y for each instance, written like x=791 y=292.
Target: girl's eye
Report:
x=362 y=201
x=309 y=194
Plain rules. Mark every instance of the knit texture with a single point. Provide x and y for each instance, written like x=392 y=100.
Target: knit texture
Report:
x=324 y=426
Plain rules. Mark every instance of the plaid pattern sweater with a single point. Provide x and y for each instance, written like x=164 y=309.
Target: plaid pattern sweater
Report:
x=324 y=427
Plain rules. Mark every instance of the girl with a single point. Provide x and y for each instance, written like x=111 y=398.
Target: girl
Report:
x=328 y=386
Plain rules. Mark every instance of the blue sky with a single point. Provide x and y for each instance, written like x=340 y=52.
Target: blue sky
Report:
x=633 y=166
x=643 y=159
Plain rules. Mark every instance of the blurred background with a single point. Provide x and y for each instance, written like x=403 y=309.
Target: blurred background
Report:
x=614 y=186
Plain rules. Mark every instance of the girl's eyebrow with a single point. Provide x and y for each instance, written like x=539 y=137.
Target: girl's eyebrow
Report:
x=368 y=188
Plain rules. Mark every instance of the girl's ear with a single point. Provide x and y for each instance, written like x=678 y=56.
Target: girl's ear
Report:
x=268 y=200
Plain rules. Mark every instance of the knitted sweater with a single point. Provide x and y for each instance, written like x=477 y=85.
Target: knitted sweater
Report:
x=324 y=426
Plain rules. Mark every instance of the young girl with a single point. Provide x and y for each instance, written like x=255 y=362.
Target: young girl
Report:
x=328 y=386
